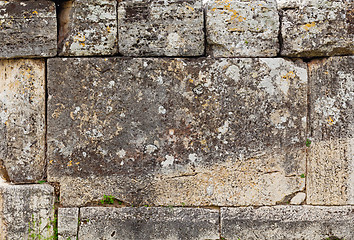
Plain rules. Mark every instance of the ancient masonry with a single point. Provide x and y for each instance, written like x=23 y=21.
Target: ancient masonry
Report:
x=177 y=119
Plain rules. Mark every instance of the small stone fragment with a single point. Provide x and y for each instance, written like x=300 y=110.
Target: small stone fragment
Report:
x=148 y=223
x=161 y=28
x=22 y=119
x=242 y=28
x=28 y=29
x=330 y=179
x=317 y=28
x=68 y=223
x=287 y=222
x=298 y=198
x=26 y=210
x=87 y=27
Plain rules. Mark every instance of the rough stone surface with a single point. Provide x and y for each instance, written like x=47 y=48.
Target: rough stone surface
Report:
x=22 y=117
x=28 y=28
x=68 y=223
x=318 y=28
x=242 y=28
x=331 y=159
x=287 y=222
x=161 y=28
x=87 y=27
x=25 y=211
x=167 y=131
x=149 y=223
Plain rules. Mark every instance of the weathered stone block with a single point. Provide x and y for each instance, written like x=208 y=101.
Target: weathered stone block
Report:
x=68 y=223
x=22 y=117
x=167 y=131
x=287 y=222
x=242 y=28
x=318 y=28
x=148 y=223
x=331 y=159
x=87 y=27
x=161 y=28
x=28 y=28
x=26 y=211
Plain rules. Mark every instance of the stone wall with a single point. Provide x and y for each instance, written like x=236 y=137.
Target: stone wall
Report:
x=214 y=119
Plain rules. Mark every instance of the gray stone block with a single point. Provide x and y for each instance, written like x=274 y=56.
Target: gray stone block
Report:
x=167 y=131
x=287 y=222
x=242 y=28
x=87 y=27
x=26 y=211
x=28 y=29
x=148 y=223
x=68 y=223
x=331 y=158
x=318 y=28
x=161 y=28
x=22 y=119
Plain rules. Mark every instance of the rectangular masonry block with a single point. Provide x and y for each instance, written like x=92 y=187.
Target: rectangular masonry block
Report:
x=68 y=223
x=26 y=211
x=87 y=27
x=288 y=222
x=242 y=28
x=172 y=131
x=28 y=28
x=148 y=223
x=161 y=28
x=317 y=28
x=331 y=159
x=22 y=119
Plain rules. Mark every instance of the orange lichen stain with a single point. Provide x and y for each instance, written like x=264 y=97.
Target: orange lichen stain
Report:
x=83 y=44
x=330 y=121
x=307 y=26
x=326 y=72
x=35 y=12
x=203 y=142
x=51 y=161
x=191 y=80
x=289 y=75
x=70 y=163
x=190 y=8
x=80 y=38
x=108 y=29
x=77 y=163
x=235 y=29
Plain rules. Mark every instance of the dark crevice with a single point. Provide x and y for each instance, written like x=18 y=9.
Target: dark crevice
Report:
x=3 y=172
x=63 y=19
x=44 y=177
x=78 y=224
x=280 y=36
x=205 y=30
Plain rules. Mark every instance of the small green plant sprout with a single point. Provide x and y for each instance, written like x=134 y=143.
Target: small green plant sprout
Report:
x=120 y=202
x=107 y=199
x=302 y=175
x=37 y=230
x=183 y=204
x=42 y=181
x=246 y=42
x=308 y=142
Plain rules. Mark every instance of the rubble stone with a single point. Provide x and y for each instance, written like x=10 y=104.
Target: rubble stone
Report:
x=161 y=28
x=331 y=159
x=28 y=29
x=242 y=28
x=288 y=222
x=22 y=119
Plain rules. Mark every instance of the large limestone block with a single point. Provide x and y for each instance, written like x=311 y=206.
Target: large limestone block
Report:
x=167 y=131
x=317 y=28
x=288 y=222
x=148 y=223
x=26 y=211
x=22 y=119
x=68 y=223
x=242 y=28
x=331 y=159
x=28 y=28
x=87 y=27
x=161 y=28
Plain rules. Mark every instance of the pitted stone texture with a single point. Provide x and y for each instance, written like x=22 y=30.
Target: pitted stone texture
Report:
x=148 y=223
x=28 y=28
x=242 y=28
x=287 y=222
x=68 y=223
x=88 y=27
x=331 y=159
x=26 y=210
x=161 y=28
x=22 y=116
x=318 y=28
x=167 y=131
